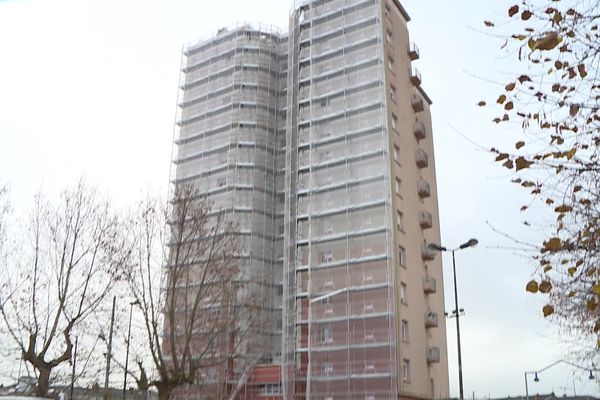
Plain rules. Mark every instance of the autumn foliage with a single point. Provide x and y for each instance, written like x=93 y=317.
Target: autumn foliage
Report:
x=556 y=103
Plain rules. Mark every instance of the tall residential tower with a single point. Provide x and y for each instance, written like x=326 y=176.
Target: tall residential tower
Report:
x=318 y=142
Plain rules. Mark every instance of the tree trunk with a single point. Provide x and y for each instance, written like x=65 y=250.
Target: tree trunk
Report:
x=43 y=382
x=164 y=392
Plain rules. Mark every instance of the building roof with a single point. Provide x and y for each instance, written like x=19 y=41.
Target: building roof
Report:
x=402 y=10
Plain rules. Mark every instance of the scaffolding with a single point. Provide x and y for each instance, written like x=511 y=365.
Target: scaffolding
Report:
x=341 y=267
x=288 y=135
x=227 y=142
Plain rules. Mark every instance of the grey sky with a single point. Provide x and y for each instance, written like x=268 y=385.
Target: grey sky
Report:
x=90 y=87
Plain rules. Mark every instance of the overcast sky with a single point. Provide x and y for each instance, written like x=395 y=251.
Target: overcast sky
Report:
x=89 y=87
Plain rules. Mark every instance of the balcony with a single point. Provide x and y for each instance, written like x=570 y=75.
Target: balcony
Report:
x=431 y=319
x=415 y=77
x=423 y=189
x=427 y=254
x=433 y=355
x=421 y=158
x=419 y=130
x=429 y=285
x=425 y=219
x=413 y=52
x=417 y=103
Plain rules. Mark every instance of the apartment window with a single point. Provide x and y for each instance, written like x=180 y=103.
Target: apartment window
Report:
x=327 y=369
x=396 y=154
x=402 y=256
x=393 y=93
x=391 y=63
x=327 y=256
x=326 y=334
x=388 y=36
x=397 y=187
x=394 y=122
x=388 y=10
x=403 y=292
x=404 y=330
x=270 y=389
x=400 y=220
x=406 y=370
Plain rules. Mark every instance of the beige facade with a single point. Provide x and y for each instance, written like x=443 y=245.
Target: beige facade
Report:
x=417 y=216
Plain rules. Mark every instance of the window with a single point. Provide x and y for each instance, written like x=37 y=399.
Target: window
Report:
x=388 y=36
x=388 y=10
x=396 y=154
x=327 y=256
x=326 y=334
x=270 y=388
x=398 y=182
x=391 y=63
x=393 y=93
x=404 y=330
x=403 y=292
x=400 y=220
x=394 y=122
x=327 y=369
x=367 y=249
x=406 y=370
x=402 y=256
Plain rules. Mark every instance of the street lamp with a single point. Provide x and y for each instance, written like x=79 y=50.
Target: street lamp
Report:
x=133 y=303
x=437 y=247
x=537 y=379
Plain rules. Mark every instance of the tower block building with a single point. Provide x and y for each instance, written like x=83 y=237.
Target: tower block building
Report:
x=318 y=143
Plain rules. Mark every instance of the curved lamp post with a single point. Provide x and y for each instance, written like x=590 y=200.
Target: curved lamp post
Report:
x=437 y=247
x=133 y=303
x=539 y=371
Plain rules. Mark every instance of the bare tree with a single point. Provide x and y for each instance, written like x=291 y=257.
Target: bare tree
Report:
x=69 y=257
x=4 y=214
x=184 y=283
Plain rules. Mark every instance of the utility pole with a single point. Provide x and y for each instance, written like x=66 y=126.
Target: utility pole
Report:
x=109 y=354
x=73 y=371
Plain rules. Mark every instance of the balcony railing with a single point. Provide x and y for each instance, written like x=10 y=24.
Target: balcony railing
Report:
x=423 y=189
x=413 y=52
x=426 y=253
x=417 y=103
x=415 y=77
x=429 y=285
x=431 y=319
x=425 y=219
x=421 y=158
x=419 y=130
x=433 y=355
